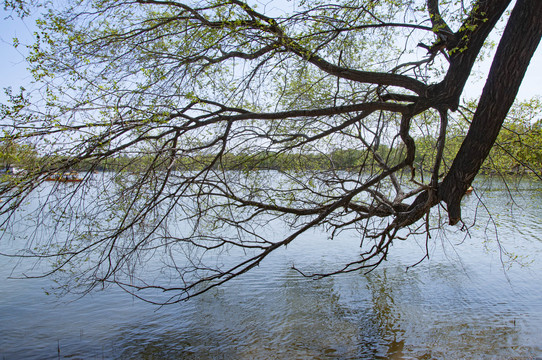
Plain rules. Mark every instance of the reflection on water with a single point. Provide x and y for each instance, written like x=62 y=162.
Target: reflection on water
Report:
x=459 y=304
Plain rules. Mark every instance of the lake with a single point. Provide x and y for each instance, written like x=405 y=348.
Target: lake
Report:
x=474 y=298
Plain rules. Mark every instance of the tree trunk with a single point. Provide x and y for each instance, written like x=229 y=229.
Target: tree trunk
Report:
x=516 y=48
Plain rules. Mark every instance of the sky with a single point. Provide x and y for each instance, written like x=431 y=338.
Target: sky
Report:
x=13 y=69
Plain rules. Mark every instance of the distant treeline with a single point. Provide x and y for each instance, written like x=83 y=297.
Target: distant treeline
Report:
x=518 y=150
x=341 y=159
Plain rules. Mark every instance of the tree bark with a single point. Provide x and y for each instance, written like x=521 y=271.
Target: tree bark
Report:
x=516 y=48
x=469 y=41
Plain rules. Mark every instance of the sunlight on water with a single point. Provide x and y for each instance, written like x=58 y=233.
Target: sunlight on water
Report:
x=459 y=304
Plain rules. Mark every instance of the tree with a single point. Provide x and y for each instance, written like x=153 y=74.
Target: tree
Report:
x=517 y=148
x=177 y=94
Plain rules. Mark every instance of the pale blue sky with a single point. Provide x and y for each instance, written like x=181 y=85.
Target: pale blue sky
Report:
x=13 y=67
x=12 y=63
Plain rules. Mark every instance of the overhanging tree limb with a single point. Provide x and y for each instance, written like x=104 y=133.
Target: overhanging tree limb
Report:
x=219 y=122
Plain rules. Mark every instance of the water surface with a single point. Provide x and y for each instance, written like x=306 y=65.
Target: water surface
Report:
x=467 y=301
